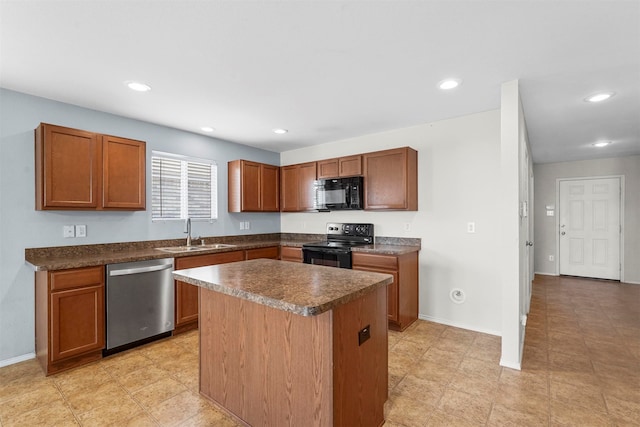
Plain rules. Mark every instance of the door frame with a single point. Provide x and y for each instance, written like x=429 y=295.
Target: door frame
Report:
x=557 y=216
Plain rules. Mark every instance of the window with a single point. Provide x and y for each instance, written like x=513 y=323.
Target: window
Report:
x=183 y=187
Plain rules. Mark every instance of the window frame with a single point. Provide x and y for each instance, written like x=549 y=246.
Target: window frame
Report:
x=184 y=183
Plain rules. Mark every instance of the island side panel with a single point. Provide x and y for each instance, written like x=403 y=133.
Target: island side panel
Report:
x=263 y=365
x=361 y=371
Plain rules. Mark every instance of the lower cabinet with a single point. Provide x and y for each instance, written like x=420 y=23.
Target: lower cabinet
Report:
x=70 y=315
x=290 y=253
x=186 y=297
x=402 y=294
x=271 y=252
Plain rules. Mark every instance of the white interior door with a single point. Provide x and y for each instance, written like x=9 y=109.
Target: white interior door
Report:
x=590 y=228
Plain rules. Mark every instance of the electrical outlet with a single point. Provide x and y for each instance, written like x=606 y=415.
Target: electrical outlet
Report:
x=241 y=225
x=68 y=231
x=471 y=227
x=247 y=225
x=81 y=231
x=407 y=226
x=552 y=258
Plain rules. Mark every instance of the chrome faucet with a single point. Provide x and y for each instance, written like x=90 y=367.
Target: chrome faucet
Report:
x=187 y=230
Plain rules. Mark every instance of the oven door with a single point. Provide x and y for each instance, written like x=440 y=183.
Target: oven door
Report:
x=340 y=258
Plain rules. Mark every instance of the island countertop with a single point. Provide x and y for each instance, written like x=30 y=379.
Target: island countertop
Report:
x=303 y=289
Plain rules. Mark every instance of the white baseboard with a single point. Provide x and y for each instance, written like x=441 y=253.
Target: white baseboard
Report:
x=17 y=359
x=630 y=282
x=459 y=325
x=545 y=274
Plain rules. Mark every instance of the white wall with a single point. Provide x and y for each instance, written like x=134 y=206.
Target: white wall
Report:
x=21 y=226
x=458 y=182
x=514 y=229
x=545 y=194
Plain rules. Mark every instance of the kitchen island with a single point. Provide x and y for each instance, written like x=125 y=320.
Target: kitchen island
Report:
x=283 y=343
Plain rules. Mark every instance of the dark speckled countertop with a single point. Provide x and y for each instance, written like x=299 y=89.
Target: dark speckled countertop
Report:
x=64 y=257
x=303 y=289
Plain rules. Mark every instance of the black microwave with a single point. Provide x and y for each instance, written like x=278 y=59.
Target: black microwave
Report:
x=339 y=194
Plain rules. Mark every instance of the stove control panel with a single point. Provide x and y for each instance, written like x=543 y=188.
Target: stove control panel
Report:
x=349 y=229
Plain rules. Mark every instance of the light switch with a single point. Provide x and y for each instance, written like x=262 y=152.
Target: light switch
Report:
x=81 y=231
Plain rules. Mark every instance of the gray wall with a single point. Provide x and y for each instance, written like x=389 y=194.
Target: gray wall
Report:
x=21 y=226
x=545 y=176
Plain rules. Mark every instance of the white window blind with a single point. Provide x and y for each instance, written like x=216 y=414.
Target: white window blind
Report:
x=183 y=187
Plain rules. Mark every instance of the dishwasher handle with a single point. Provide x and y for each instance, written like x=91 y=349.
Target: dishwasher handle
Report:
x=128 y=271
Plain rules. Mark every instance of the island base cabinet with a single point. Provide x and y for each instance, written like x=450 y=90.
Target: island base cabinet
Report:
x=268 y=367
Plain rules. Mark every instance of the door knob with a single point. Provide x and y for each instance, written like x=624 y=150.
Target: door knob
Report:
x=529 y=243
x=563 y=233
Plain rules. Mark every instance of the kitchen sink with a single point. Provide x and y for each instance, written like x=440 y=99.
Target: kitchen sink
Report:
x=195 y=248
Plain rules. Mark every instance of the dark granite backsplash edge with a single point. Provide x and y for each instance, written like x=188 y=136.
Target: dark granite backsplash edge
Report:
x=100 y=248
x=399 y=241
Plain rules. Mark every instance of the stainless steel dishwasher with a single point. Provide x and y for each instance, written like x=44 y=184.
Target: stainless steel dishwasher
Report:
x=140 y=302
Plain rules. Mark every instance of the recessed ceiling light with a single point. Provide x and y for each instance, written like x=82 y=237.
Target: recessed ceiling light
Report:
x=280 y=131
x=601 y=143
x=137 y=86
x=599 y=97
x=207 y=129
x=449 y=84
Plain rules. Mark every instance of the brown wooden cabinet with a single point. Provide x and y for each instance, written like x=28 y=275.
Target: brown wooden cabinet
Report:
x=402 y=294
x=297 y=187
x=186 y=295
x=70 y=317
x=82 y=170
x=290 y=253
x=340 y=167
x=391 y=179
x=253 y=187
x=123 y=173
x=271 y=252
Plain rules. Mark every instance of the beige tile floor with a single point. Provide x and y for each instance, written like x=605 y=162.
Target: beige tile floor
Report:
x=581 y=367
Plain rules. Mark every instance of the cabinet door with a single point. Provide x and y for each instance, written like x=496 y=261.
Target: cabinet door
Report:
x=77 y=322
x=392 y=289
x=391 y=179
x=270 y=188
x=328 y=169
x=123 y=173
x=67 y=168
x=250 y=189
x=186 y=294
x=289 y=188
x=350 y=166
x=306 y=186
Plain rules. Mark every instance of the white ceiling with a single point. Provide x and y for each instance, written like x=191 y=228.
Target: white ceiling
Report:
x=330 y=70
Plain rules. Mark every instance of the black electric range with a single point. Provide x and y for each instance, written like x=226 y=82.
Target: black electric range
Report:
x=336 y=250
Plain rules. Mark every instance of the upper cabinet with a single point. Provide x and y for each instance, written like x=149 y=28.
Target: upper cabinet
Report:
x=340 y=167
x=391 y=179
x=297 y=187
x=82 y=170
x=253 y=187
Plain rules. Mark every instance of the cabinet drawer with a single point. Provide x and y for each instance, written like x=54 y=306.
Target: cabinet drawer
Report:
x=270 y=252
x=74 y=278
x=389 y=262
x=290 y=253
x=209 y=259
